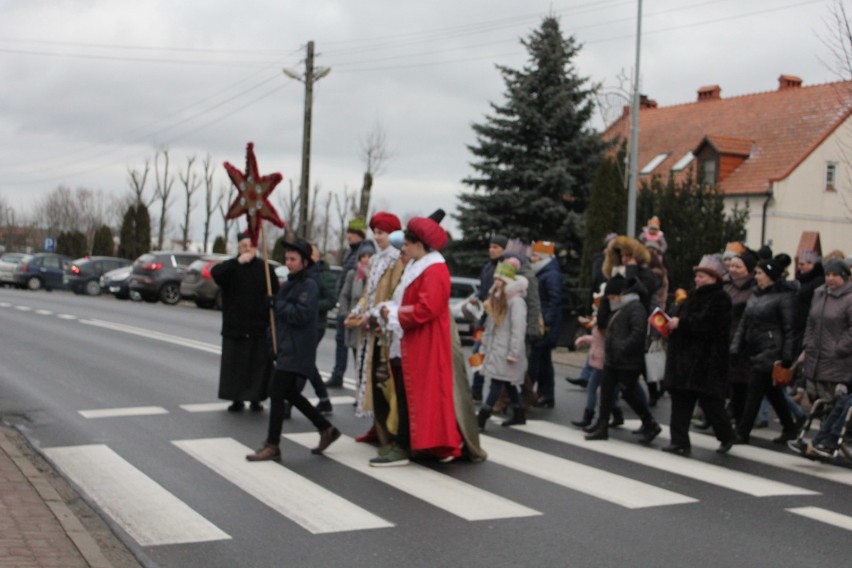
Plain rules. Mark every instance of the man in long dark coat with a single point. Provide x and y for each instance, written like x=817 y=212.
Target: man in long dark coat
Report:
x=246 y=364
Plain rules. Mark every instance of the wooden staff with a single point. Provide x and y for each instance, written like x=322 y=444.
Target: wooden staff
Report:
x=268 y=289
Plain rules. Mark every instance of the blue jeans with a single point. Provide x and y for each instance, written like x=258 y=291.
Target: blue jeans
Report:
x=494 y=393
x=829 y=430
x=594 y=378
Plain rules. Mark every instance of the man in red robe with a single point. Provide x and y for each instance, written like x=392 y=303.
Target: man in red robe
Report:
x=424 y=372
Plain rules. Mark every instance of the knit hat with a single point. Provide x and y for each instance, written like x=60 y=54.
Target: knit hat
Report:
x=396 y=239
x=764 y=253
x=615 y=286
x=428 y=232
x=505 y=271
x=749 y=259
x=839 y=268
x=774 y=267
x=654 y=222
x=810 y=256
x=732 y=249
x=357 y=226
x=710 y=264
x=498 y=240
x=544 y=249
x=366 y=247
x=302 y=247
x=384 y=221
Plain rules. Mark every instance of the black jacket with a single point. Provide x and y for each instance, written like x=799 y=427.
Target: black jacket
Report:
x=296 y=309
x=327 y=282
x=627 y=331
x=697 y=356
x=765 y=333
x=244 y=309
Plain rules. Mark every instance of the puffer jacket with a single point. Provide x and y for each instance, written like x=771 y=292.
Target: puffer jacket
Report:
x=765 y=332
x=550 y=296
x=697 y=356
x=828 y=335
x=503 y=345
x=739 y=291
x=627 y=330
x=296 y=312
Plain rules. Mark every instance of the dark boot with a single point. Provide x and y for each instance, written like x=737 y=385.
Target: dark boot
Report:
x=617 y=418
x=588 y=416
x=482 y=417
x=650 y=431
x=600 y=432
x=519 y=416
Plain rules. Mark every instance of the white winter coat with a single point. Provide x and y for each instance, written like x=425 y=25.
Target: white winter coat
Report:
x=504 y=346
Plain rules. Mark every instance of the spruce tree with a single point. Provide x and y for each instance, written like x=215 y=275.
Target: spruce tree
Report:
x=102 y=244
x=535 y=155
x=219 y=245
x=126 y=236
x=143 y=230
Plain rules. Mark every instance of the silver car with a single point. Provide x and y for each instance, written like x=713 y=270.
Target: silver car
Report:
x=8 y=262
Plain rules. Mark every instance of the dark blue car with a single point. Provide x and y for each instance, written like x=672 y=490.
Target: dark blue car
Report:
x=42 y=270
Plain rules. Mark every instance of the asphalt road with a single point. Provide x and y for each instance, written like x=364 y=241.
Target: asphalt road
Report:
x=121 y=398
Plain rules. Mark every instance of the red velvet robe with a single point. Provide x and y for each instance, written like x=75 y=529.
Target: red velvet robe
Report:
x=427 y=365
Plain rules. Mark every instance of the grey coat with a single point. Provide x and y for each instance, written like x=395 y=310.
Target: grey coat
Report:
x=349 y=295
x=828 y=335
x=504 y=347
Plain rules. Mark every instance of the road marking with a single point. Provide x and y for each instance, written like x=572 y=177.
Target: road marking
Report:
x=5 y=305
x=452 y=495
x=23 y=308
x=652 y=457
x=66 y=316
x=824 y=516
x=140 y=506
x=311 y=506
x=220 y=406
x=119 y=412
x=138 y=331
x=592 y=481
x=784 y=459
x=44 y=312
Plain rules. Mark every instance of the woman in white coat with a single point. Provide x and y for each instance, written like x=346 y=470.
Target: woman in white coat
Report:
x=503 y=342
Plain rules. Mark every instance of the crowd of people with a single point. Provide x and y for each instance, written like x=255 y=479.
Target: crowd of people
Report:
x=726 y=341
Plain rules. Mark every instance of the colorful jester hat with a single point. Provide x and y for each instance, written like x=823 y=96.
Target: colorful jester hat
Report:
x=253 y=191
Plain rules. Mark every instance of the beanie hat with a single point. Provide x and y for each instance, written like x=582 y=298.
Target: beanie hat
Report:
x=505 y=271
x=396 y=239
x=710 y=264
x=498 y=240
x=366 y=247
x=544 y=249
x=749 y=259
x=615 y=286
x=764 y=253
x=357 y=226
x=839 y=268
x=654 y=222
x=732 y=249
x=245 y=235
x=774 y=267
x=384 y=221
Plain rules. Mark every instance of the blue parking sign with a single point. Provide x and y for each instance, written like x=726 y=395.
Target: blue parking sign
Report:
x=49 y=244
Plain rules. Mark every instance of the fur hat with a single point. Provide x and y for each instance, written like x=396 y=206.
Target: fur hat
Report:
x=544 y=249
x=839 y=268
x=710 y=264
x=357 y=226
x=498 y=240
x=612 y=256
x=387 y=222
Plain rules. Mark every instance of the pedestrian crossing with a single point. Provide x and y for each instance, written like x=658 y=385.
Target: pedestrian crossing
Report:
x=153 y=516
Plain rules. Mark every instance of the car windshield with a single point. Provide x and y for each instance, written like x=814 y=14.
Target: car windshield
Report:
x=13 y=257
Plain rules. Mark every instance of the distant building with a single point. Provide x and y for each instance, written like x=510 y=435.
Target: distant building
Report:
x=785 y=153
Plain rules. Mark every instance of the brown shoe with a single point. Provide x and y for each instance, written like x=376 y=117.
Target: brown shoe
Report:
x=327 y=437
x=266 y=453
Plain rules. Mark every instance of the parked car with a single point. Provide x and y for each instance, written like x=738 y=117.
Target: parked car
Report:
x=461 y=289
x=117 y=283
x=157 y=275
x=8 y=262
x=41 y=270
x=83 y=275
x=198 y=285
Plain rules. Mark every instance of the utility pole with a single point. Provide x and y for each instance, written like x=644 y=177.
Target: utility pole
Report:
x=634 y=135
x=309 y=78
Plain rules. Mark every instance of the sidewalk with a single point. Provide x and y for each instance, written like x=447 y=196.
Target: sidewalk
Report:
x=38 y=528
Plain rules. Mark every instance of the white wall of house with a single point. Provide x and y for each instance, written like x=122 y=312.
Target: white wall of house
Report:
x=801 y=202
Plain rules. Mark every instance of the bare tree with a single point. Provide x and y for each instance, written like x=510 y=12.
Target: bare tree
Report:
x=226 y=197
x=163 y=193
x=374 y=153
x=289 y=205
x=344 y=209
x=137 y=181
x=327 y=227
x=313 y=225
x=190 y=182
x=210 y=204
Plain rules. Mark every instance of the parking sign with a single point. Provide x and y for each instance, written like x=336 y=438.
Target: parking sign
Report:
x=49 y=244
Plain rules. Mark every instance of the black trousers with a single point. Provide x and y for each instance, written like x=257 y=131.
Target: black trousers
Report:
x=683 y=404
x=759 y=386
x=285 y=386
x=403 y=432
x=626 y=380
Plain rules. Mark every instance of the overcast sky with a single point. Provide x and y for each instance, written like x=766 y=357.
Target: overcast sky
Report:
x=91 y=87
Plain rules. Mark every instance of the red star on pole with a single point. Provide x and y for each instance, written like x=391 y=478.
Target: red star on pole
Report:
x=252 y=193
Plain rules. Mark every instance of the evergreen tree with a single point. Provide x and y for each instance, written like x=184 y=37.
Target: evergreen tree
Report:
x=219 y=245
x=143 y=230
x=72 y=243
x=135 y=234
x=536 y=154
x=103 y=245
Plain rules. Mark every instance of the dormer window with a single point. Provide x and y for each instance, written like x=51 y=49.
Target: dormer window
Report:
x=683 y=162
x=830 y=176
x=708 y=172
x=658 y=159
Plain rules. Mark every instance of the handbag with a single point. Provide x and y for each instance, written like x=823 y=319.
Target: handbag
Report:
x=655 y=362
x=782 y=377
x=476 y=360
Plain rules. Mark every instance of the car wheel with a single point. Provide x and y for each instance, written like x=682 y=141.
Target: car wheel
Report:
x=34 y=283
x=170 y=293
x=92 y=288
x=135 y=296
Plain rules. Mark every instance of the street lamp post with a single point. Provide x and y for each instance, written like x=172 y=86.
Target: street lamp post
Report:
x=310 y=77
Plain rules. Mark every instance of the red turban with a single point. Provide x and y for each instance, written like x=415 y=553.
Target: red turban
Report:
x=387 y=222
x=429 y=232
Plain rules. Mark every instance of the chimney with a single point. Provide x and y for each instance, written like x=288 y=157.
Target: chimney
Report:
x=645 y=102
x=709 y=93
x=788 y=82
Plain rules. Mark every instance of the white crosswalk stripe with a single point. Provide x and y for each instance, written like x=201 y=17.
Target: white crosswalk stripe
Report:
x=728 y=478
x=442 y=491
x=313 y=507
x=141 y=507
x=119 y=412
x=223 y=405
x=824 y=516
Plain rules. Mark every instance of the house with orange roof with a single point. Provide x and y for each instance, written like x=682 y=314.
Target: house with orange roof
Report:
x=785 y=154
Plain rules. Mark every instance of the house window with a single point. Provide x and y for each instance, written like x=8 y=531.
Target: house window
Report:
x=683 y=162
x=658 y=159
x=708 y=172
x=830 y=176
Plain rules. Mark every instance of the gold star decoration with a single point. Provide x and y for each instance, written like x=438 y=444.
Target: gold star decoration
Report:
x=252 y=193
